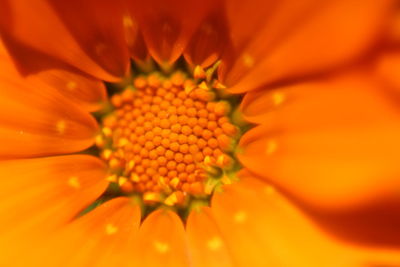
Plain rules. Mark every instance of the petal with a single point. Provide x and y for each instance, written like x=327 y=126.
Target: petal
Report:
x=134 y=38
x=210 y=38
x=167 y=26
x=263 y=228
x=36 y=121
x=83 y=90
x=394 y=26
x=98 y=27
x=41 y=195
x=207 y=245
x=333 y=143
x=34 y=187
x=161 y=241
x=372 y=224
x=86 y=35
x=388 y=69
x=102 y=237
x=289 y=39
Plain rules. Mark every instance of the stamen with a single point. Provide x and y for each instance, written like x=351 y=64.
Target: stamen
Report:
x=199 y=73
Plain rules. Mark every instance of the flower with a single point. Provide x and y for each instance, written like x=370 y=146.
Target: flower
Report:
x=317 y=82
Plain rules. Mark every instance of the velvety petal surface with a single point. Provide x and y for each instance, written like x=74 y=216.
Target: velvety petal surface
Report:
x=207 y=245
x=87 y=35
x=87 y=92
x=167 y=26
x=388 y=69
x=41 y=195
x=332 y=143
x=280 y=40
x=394 y=27
x=210 y=39
x=161 y=241
x=97 y=25
x=102 y=237
x=262 y=228
x=38 y=120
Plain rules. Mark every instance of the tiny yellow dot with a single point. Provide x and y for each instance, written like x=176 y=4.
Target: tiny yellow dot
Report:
x=214 y=243
x=161 y=247
x=61 y=125
x=127 y=21
x=73 y=181
x=269 y=189
x=278 y=98
x=271 y=147
x=111 y=229
x=71 y=85
x=248 y=60
x=240 y=217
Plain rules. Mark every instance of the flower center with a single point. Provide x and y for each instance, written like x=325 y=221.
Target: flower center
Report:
x=168 y=139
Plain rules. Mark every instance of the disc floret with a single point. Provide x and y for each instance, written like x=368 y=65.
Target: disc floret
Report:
x=169 y=138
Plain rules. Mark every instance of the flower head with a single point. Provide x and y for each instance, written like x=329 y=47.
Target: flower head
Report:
x=199 y=133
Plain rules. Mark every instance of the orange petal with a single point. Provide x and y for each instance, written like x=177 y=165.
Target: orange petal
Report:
x=293 y=38
x=41 y=195
x=102 y=237
x=394 y=26
x=207 y=245
x=35 y=187
x=83 y=90
x=371 y=224
x=98 y=29
x=167 y=26
x=210 y=38
x=262 y=228
x=333 y=143
x=39 y=121
x=388 y=69
x=86 y=35
x=75 y=85
x=161 y=241
x=134 y=37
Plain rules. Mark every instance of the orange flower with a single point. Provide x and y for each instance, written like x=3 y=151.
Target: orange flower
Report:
x=199 y=133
